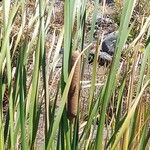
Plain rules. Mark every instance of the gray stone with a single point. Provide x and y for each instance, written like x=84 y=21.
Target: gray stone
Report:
x=104 y=59
x=109 y=43
x=109 y=1
x=107 y=50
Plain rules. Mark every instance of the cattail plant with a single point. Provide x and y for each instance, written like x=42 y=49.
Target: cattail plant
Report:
x=35 y=111
x=74 y=87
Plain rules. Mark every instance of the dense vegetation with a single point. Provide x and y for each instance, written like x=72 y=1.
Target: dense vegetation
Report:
x=41 y=97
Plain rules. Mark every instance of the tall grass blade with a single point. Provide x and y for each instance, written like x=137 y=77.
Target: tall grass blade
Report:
x=123 y=30
x=62 y=104
x=129 y=116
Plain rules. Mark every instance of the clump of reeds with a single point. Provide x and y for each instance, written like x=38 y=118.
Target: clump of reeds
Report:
x=74 y=87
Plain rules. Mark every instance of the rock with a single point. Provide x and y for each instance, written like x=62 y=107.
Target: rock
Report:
x=104 y=59
x=107 y=50
x=109 y=1
x=109 y=43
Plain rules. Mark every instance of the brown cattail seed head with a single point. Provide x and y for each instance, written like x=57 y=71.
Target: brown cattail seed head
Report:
x=73 y=94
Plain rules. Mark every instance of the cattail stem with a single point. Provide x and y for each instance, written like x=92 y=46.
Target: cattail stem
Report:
x=73 y=94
